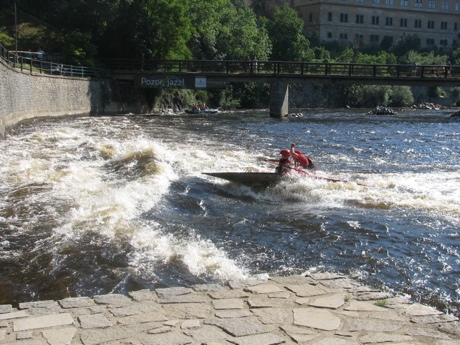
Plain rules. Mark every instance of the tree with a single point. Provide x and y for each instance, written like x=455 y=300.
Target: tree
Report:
x=456 y=56
x=406 y=43
x=347 y=56
x=205 y=17
x=222 y=30
x=156 y=29
x=369 y=95
x=423 y=58
x=285 y=31
x=401 y=96
x=78 y=50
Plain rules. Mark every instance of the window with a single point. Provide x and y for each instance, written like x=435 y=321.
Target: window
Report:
x=403 y=22
x=389 y=21
x=456 y=6
x=376 y=1
x=310 y=17
x=431 y=4
x=430 y=24
x=404 y=3
x=343 y=17
x=329 y=17
x=443 y=25
x=375 y=39
x=359 y=0
x=418 y=4
x=343 y=36
x=389 y=2
x=375 y=20
x=388 y=39
x=455 y=27
x=418 y=23
x=430 y=42
x=359 y=19
x=443 y=42
x=329 y=35
x=445 y=5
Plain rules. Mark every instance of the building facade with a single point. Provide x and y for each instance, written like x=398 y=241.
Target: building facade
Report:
x=435 y=23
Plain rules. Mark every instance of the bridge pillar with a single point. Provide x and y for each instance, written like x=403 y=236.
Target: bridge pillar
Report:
x=279 y=98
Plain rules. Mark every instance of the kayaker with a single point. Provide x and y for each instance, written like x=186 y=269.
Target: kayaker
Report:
x=284 y=162
x=301 y=160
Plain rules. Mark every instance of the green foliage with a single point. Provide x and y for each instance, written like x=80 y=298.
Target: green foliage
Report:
x=369 y=96
x=223 y=31
x=382 y=303
x=405 y=44
x=386 y=43
x=456 y=56
x=285 y=31
x=6 y=40
x=424 y=58
x=158 y=29
x=228 y=101
x=252 y=95
x=436 y=92
x=348 y=55
x=78 y=50
x=455 y=94
x=401 y=96
x=321 y=54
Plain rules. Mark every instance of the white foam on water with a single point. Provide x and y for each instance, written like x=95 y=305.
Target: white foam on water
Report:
x=102 y=191
x=200 y=257
x=79 y=175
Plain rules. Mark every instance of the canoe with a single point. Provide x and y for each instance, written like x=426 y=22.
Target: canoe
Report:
x=264 y=179
x=202 y=111
x=249 y=178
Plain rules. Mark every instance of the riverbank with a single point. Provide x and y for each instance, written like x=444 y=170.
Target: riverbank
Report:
x=321 y=308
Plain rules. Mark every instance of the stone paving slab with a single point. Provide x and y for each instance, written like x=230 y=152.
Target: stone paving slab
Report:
x=317 y=319
x=319 y=309
x=42 y=322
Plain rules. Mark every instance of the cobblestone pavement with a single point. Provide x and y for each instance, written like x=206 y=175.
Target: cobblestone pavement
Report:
x=324 y=309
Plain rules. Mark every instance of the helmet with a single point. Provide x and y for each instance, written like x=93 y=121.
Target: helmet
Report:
x=285 y=153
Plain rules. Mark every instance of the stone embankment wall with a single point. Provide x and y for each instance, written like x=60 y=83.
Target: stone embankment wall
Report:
x=25 y=95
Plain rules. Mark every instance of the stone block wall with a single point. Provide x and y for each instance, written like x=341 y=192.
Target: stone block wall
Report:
x=24 y=95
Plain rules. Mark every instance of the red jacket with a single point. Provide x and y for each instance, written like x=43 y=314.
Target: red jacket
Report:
x=302 y=160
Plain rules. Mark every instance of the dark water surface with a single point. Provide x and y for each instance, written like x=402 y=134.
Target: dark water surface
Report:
x=114 y=204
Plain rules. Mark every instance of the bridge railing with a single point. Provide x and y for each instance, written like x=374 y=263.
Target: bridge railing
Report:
x=282 y=68
x=25 y=61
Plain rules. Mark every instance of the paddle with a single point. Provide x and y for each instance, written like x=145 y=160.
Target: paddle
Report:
x=313 y=175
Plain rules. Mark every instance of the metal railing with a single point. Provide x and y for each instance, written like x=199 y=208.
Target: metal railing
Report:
x=320 y=69
x=30 y=61
x=33 y=63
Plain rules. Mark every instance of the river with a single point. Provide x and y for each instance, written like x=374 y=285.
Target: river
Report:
x=94 y=205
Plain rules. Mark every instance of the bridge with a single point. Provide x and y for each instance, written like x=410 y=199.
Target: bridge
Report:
x=206 y=74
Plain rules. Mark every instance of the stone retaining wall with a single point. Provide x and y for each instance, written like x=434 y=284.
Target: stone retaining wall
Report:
x=25 y=95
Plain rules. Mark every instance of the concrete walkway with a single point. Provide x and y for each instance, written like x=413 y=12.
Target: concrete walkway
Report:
x=319 y=309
